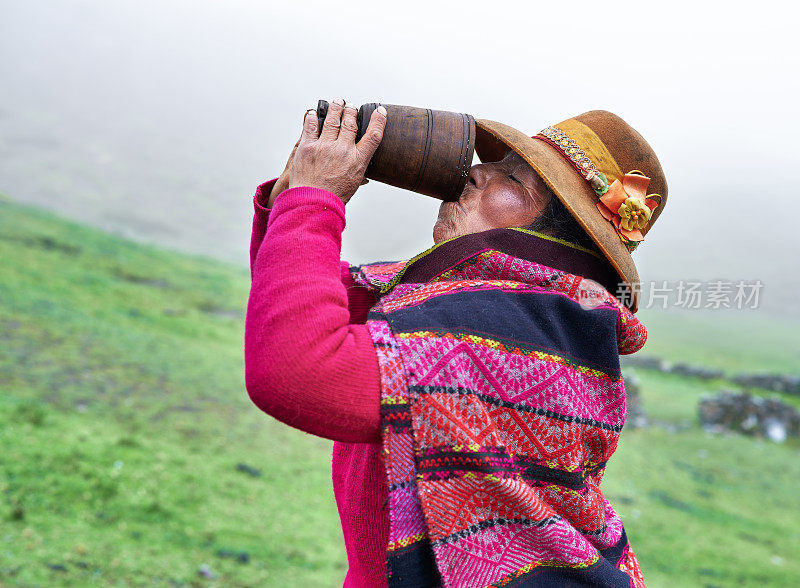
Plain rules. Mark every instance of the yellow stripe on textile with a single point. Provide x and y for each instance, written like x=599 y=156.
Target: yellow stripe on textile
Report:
x=594 y=148
x=399 y=544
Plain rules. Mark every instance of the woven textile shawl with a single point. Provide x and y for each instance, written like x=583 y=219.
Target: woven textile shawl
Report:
x=501 y=402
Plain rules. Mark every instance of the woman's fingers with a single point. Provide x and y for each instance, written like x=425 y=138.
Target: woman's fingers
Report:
x=310 y=131
x=349 y=127
x=335 y=162
x=330 y=130
x=373 y=135
x=291 y=155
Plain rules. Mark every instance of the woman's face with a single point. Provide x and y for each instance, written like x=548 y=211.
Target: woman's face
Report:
x=502 y=194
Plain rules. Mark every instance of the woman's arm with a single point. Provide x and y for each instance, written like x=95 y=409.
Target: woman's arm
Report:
x=359 y=299
x=305 y=364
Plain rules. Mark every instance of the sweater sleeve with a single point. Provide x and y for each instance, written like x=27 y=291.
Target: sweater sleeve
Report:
x=309 y=359
x=359 y=299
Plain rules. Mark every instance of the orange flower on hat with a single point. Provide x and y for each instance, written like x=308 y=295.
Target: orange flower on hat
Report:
x=626 y=205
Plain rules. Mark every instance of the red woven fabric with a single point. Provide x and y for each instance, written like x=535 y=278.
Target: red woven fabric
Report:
x=310 y=361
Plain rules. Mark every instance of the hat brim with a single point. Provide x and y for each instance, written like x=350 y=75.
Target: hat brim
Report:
x=492 y=142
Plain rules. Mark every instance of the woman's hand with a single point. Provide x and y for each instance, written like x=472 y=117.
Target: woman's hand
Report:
x=334 y=161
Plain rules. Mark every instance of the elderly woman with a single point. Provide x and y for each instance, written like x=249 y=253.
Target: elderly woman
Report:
x=474 y=393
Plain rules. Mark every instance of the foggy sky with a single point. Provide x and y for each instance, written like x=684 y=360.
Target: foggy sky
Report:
x=157 y=120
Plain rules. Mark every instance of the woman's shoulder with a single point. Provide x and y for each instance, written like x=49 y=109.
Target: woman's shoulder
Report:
x=378 y=274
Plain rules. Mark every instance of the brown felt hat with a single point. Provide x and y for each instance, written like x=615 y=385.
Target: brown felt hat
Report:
x=593 y=162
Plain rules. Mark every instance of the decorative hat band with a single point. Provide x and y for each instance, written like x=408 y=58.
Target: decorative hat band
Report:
x=624 y=202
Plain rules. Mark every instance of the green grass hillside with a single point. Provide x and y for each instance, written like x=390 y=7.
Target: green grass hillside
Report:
x=130 y=454
x=124 y=416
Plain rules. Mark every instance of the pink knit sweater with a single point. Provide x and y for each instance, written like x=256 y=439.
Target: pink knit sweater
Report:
x=310 y=361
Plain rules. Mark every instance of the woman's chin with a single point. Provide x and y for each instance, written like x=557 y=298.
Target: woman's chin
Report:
x=442 y=231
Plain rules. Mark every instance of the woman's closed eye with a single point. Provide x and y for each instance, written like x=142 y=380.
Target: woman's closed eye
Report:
x=513 y=177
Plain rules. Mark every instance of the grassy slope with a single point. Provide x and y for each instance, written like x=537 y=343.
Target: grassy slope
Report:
x=701 y=509
x=123 y=416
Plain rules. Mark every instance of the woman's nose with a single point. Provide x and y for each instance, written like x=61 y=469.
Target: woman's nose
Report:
x=477 y=175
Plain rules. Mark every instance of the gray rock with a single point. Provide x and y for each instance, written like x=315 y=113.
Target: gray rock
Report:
x=206 y=572
x=785 y=384
x=249 y=470
x=636 y=417
x=696 y=371
x=651 y=362
x=744 y=413
x=647 y=362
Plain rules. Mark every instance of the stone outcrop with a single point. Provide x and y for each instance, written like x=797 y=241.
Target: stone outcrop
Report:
x=651 y=362
x=749 y=415
x=636 y=418
x=773 y=382
x=647 y=362
x=783 y=383
x=696 y=371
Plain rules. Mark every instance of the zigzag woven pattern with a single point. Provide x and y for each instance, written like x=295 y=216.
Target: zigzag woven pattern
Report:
x=502 y=401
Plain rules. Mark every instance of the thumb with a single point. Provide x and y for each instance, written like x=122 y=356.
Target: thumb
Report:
x=291 y=155
x=373 y=135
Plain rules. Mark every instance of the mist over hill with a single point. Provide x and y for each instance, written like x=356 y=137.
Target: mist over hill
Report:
x=157 y=121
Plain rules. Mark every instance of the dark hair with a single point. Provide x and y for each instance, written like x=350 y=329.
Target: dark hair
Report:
x=556 y=221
